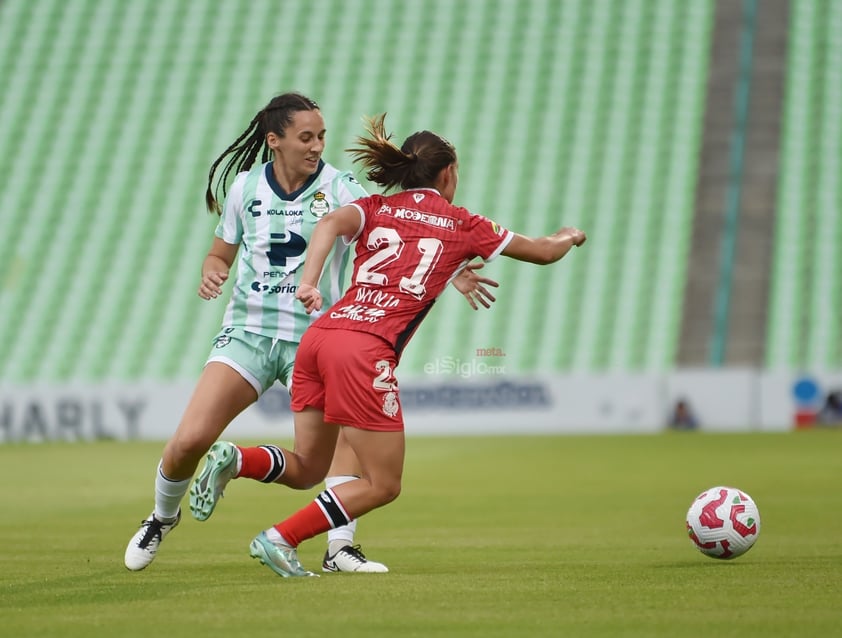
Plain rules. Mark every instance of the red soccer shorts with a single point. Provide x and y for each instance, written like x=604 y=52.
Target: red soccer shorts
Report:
x=350 y=376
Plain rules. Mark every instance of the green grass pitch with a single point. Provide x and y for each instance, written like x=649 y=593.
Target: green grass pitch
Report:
x=492 y=537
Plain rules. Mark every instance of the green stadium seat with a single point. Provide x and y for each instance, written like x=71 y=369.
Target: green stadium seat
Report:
x=583 y=112
x=806 y=296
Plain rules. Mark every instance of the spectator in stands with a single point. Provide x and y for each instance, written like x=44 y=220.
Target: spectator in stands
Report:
x=268 y=217
x=682 y=417
x=408 y=246
x=831 y=412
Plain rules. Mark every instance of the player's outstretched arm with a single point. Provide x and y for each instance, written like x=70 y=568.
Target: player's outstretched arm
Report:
x=344 y=221
x=544 y=250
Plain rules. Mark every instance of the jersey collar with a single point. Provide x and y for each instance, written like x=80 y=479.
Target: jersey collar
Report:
x=278 y=189
x=424 y=188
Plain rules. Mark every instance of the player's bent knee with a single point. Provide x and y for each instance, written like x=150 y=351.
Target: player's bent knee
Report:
x=304 y=476
x=388 y=492
x=310 y=484
x=185 y=451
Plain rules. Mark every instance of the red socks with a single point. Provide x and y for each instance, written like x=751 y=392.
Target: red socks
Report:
x=324 y=513
x=265 y=463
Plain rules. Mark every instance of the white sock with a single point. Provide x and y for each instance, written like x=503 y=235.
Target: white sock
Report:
x=168 y=495
x=340 y=537
x=276 y=537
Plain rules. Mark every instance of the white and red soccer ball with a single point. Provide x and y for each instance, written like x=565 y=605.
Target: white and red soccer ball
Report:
x=723 y=522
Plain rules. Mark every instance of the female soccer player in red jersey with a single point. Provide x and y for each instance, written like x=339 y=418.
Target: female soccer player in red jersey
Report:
x=409 y=245
x=270 y=210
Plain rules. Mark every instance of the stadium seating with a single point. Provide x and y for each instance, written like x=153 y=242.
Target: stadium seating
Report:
x=583 y=112
x=806 y=300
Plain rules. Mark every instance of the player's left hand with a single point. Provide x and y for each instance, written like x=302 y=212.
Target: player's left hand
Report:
x=470 y=284
x=310 y=297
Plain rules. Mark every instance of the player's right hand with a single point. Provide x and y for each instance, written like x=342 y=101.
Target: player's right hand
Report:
x=578 y=236
x=310 y=297
x=211 y=286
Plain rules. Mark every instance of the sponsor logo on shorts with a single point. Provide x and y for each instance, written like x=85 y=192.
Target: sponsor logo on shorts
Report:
x=224 y=339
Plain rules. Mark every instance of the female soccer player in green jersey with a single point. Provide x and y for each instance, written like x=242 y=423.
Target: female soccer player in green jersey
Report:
x=268 y=216
x=408 y=246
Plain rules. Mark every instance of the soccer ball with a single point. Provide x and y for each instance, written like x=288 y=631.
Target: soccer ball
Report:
x=723 y=522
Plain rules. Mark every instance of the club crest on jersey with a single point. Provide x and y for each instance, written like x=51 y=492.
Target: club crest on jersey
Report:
x=319 y=206
x=390 y=404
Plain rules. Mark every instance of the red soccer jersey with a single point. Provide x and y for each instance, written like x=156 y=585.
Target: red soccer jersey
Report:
x=409 y=246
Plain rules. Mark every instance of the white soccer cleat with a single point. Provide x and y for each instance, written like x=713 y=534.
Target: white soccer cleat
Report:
x=351 y=559
x=144 y=544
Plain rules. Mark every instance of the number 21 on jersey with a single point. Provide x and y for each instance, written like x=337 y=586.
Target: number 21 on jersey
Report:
x=389 y=246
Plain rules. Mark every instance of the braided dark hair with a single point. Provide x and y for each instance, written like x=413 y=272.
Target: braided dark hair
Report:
x=275 y=117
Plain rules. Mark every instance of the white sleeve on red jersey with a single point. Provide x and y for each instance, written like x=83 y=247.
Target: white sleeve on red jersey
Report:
x=489 y=238
x=350 y=239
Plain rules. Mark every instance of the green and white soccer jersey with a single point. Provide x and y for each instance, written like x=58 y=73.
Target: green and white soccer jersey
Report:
x=273 y=229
